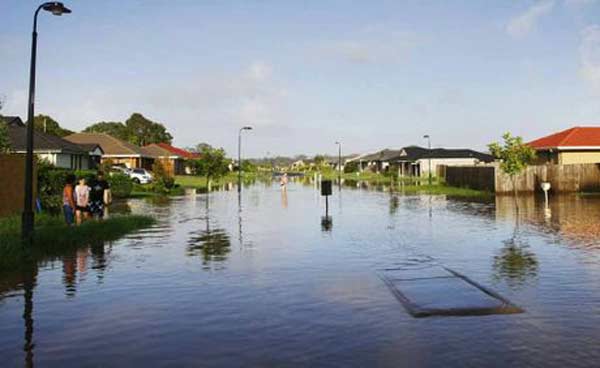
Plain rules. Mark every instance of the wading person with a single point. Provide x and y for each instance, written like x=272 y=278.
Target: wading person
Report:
x=82 y=201
x=99 y=196
x=69 y=200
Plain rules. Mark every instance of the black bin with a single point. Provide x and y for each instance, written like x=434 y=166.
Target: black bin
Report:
x=326 y=188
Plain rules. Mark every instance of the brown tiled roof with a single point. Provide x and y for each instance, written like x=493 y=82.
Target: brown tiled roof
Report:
x=156 y=151
x=109 y=144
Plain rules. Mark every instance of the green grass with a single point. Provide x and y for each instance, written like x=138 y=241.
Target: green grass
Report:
x=53 y=237
x=199 y=182
x=441 y=189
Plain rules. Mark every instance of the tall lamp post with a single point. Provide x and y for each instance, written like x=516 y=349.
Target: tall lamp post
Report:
x=27 y=218
x=240 y=156
x=426 y=136
x=339 y=143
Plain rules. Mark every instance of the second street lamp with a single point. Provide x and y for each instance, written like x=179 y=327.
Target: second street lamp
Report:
x=240 y=156
x=339 y=143
x=426 y=136
x=27 y=218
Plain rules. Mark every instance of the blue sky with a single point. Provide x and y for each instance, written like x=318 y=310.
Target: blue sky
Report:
x=373 y=74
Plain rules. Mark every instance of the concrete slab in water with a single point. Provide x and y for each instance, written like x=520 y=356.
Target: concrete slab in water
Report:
x=439 y=291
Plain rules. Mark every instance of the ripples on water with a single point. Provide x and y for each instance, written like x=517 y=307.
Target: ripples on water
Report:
x=255 y=280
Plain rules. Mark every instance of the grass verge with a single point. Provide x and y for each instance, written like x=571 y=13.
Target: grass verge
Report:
x=53 y=237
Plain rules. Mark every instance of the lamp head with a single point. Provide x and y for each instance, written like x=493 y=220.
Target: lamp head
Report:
x=247 y=128
x=56 y=8
x=426 y=136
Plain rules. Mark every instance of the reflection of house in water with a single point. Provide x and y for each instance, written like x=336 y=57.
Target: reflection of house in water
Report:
x=572 y=217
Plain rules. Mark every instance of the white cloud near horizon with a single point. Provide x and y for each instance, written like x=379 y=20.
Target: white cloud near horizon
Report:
x=525 y=22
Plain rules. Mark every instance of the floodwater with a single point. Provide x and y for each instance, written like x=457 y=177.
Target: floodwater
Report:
x=257 y=281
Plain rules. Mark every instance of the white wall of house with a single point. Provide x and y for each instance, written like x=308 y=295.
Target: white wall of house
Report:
x=66 y=160
x=435 y=162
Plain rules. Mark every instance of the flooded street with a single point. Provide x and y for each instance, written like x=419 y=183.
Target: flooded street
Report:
x=256 y=281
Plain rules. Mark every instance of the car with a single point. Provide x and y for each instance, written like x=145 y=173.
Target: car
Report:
x=140 y=176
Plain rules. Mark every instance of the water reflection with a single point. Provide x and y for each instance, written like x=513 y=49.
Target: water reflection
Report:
x=212 y=245
x=570 y=218
x=515 y=263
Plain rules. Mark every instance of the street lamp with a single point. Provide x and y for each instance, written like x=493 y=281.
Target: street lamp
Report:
x=339 y=143
x=27 y=218
x=240 y=156
x=426 y=136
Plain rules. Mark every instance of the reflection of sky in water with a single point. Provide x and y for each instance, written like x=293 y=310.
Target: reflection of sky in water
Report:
x=255 y=281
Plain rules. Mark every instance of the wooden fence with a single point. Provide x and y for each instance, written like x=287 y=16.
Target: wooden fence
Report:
x=12 y=180
x=562 y=178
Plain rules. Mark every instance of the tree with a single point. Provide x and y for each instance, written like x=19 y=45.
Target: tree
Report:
x=514 y=156
x=199 y=147
x=4 y=140
x=44 y=123
x=112 y=128
x=213 y=164
x=143 y=131
x=137 y=130
x=319 y=160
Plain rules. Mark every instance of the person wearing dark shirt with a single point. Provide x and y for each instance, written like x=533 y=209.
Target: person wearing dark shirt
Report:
x=99 y=195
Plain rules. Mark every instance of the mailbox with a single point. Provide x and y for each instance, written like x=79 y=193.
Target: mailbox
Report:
x=326 y=188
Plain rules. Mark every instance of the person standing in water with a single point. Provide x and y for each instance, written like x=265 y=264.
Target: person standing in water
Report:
x=69 y=200
x=82 y=201
x=99 y=196
x=284 y=180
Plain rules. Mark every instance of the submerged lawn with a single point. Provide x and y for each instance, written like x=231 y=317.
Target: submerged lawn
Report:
x=52 y=236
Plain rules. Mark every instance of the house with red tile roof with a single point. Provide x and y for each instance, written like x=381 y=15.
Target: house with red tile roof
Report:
x=577 y=145
x=173 y=158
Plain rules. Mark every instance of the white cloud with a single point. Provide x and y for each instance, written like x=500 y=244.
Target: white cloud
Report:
x=374 y=44
x=589 y=53
x=522 y=24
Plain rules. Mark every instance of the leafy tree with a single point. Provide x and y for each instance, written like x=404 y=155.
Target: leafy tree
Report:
x=200 y=147
x=137 y=130
x=319 y=160
x=143 y=131
x=44 y=123
x=4 y=141
x=248 y=166
x=514 y=155
x=213 y=164
x=112 y=128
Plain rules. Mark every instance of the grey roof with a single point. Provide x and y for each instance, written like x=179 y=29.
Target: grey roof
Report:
x=12 y=120
x=383 y=155
x=42 y=142
x=413 y=153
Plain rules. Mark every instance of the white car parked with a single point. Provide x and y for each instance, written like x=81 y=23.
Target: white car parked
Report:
x=140 y=176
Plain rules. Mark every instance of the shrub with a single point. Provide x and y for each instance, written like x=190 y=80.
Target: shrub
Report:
x=351 y=167
x=163 y=181
x=120 y=185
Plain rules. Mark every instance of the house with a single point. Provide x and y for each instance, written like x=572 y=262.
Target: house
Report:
x=419 y=161
x=577 y=145
x=376 y=162
x=173 y=159
x=55 y=150
x=115 y=150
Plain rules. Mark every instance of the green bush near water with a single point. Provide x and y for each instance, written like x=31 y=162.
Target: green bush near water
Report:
x=52 y=237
